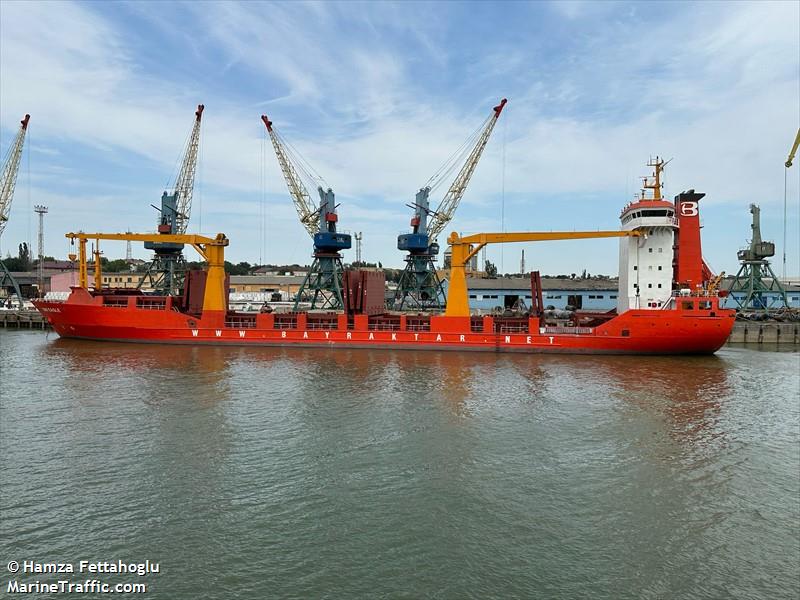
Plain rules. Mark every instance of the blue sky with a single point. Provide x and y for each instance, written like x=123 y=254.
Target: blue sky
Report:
x=376 y=96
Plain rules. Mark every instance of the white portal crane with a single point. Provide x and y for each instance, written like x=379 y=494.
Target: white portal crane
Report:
x=8 y=179
x=8 y=182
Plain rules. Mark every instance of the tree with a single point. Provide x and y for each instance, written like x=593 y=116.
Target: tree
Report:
x=25 y=255
x=119 y=265
x=491 y=270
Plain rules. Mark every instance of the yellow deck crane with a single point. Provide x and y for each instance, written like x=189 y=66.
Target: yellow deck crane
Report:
x=8 y=182
x=211 y=250
x=464 y=248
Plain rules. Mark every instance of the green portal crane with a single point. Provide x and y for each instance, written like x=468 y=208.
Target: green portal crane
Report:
x=757 y=286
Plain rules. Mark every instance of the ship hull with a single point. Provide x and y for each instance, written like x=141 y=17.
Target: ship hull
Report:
x=633 y=332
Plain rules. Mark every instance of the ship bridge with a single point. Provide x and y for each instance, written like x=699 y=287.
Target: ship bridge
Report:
x=645 y=262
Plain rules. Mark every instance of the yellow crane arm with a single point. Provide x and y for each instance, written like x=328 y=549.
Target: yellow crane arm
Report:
x=793 y=151
x=212 y=250
x=464 y=248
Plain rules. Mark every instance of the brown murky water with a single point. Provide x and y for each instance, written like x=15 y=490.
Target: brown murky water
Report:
x=270 y=473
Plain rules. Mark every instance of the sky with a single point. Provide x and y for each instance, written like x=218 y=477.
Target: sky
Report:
x=377 y=96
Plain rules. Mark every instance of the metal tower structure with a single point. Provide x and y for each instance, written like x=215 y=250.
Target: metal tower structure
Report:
x=755 y=279
x=358 y=237
x=128 y=250
x=522 y=263
x=419 y=287
x=167 y=271
x=8 y=182
x=41 y=211
x=323 y=283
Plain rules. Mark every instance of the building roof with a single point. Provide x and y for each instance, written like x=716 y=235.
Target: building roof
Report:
x=274 y=270
x=524 y=283
x=59 y=265
x=33 y=276
x=267 y=279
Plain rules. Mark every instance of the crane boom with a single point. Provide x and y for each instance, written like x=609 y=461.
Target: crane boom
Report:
x=793 y=151
x=298 y=192
x=184 y=184
x=464 y=248
x=447 y=208
x=8 y=179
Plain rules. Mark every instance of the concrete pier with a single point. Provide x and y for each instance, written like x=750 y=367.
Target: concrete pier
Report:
x=23 y=319
x=765 y=332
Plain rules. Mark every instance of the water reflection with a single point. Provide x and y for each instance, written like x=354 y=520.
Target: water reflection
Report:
x=689 y=391
x=154 y=373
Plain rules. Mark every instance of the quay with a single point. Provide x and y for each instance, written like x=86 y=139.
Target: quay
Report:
x=23 y=319
x=765 y=332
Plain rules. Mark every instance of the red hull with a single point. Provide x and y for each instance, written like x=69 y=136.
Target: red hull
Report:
x=673 y=331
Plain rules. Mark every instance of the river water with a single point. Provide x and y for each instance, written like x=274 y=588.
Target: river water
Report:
x=274 y=473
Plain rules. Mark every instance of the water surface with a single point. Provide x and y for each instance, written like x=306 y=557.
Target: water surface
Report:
x=314 y=473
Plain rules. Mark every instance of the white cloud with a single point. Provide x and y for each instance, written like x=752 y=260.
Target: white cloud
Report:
x=354 y=89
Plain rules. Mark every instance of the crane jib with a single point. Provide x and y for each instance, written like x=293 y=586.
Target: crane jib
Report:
x=8 y=178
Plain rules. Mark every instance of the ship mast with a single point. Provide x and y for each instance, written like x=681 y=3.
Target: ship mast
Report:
x=654 y=183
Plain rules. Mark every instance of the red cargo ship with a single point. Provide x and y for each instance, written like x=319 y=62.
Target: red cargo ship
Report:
x=667 y=302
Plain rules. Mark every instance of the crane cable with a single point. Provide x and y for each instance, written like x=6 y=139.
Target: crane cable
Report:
x=300 y=162
x=785 y=203
x=443 y=173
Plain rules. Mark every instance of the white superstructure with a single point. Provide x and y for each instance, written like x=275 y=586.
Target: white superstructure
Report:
x=645 y=263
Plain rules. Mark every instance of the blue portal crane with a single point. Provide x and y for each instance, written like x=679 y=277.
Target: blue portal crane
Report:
x=323 y=283
x=167 y=271
x=419 y=287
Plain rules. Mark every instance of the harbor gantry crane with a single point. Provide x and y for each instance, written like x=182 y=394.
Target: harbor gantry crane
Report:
x=8 y=181
x=323 y=283
x=419 y=287
x=167 y=271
